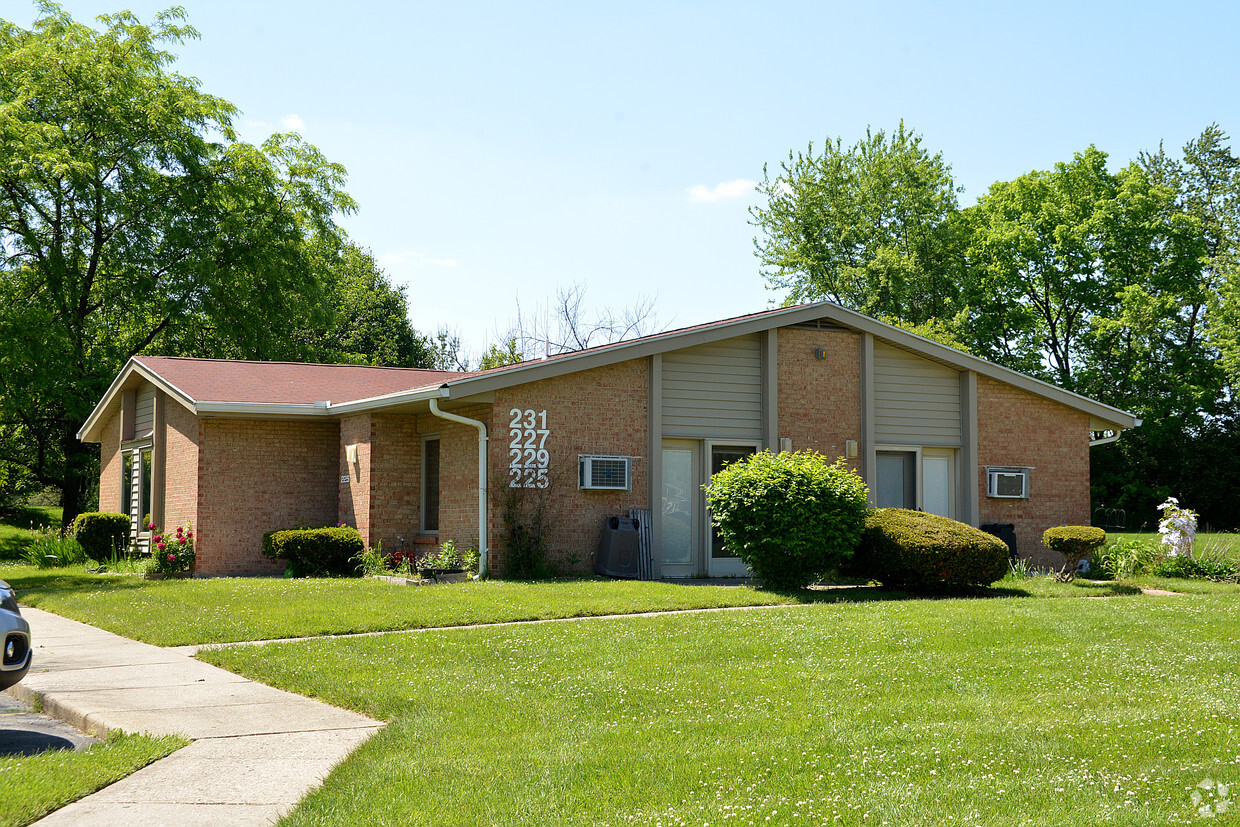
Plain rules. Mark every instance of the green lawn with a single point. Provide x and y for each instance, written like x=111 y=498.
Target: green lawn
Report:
x=1002 y=711
x=32 y=786
x=179 y=612
x=225 y=610
x=16 y=525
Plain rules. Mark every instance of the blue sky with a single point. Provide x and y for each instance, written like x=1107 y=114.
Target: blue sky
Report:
x=501 y=150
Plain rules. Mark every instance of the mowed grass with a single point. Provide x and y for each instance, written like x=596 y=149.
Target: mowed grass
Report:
x=229 y=610
x=1007 y=711
x=32 y=786
x=181 y=612
x=16 y=528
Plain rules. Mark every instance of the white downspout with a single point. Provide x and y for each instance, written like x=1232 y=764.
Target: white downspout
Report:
x=482 y=479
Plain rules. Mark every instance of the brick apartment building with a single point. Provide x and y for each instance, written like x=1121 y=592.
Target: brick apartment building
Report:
x=241 y=448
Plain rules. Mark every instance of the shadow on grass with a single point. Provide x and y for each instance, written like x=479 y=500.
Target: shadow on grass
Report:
x=874 y=593
x=40 y=583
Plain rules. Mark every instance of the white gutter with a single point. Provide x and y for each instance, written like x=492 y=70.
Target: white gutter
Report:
x=482 y=478
x=280 y=409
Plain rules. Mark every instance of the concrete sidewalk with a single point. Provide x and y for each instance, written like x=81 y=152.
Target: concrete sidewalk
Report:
x=257 y=750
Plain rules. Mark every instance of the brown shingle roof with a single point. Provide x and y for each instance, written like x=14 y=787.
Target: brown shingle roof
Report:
x=295 y=383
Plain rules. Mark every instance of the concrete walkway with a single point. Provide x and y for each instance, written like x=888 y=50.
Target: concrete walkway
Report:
x=257 y=750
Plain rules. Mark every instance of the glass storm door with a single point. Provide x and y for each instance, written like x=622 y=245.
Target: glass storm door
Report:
x=897 y=479
x=682 y=496
x=722 y=562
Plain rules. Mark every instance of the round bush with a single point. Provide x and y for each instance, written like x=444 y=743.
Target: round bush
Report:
x=790 y=516
x=920 y=551
x=315 y=552
x=1075 y=543
x=101 y=534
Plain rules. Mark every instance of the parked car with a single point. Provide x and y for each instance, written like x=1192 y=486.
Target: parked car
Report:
x=16 y=633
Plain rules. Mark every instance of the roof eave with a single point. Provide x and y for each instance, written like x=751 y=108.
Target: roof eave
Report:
x=794 y=315
x=389 y=400
x=89 y=432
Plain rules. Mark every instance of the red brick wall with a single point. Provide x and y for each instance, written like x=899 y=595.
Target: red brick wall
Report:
x=820 y=399
x=260 y=475
x=353 y=499
x=1016 y=428
x=599 y=411
x=110 y=464
x=395 y=491
x=180 y=465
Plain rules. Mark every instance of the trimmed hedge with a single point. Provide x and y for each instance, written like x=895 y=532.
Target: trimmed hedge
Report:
x=315 y=552
x=1075 y=543
x=101 y=534
x=919 y=551
x=790 y=516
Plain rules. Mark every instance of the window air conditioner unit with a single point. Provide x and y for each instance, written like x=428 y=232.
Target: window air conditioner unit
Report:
x=1011 y=483
x=604 y=473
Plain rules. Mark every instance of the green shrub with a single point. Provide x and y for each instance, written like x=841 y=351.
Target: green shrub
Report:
x=101 y=535
x=1188 y=568
x=919 y=551
x=315 y=552
x=50 y=547
x=790 y=516
x=1123 y=559
x=1075 y=543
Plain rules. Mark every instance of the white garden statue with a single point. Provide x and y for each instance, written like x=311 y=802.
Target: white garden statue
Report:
x=1178 y=528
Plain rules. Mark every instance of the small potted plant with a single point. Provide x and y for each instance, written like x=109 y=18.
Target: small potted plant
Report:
x=446 y=564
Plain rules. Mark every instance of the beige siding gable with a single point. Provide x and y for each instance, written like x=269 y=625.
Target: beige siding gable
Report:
x=714 y=390
x=144 y=415
x=916 y=401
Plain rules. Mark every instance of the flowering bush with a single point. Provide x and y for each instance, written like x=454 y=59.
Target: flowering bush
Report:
x=171 y=553
x=1178 y=528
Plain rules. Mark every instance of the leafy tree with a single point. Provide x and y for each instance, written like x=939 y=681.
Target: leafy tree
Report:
x=497 y=357
x=128 y=211
x=871 y=227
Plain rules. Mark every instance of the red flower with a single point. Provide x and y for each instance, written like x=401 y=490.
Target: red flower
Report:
x=161 y=546
x=172 y=557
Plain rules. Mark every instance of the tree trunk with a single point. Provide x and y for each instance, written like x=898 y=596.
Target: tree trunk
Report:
x=79 y=472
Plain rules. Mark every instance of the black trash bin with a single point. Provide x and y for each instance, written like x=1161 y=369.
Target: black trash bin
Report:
x=619 y=549
x=1005 y=532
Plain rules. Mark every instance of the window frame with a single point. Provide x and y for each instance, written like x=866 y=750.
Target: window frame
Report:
x=424 y=500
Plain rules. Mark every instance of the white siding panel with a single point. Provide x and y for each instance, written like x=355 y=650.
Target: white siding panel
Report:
x=714 y=390
x=916 y=401
x=144 y=414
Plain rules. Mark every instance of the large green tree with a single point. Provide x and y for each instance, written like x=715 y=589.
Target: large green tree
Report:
x=1123 y=286
x=129 y=211
x=871 y=226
